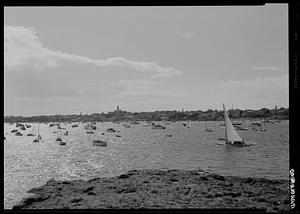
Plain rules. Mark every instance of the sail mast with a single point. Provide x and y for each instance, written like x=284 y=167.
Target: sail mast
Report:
x=225 y=122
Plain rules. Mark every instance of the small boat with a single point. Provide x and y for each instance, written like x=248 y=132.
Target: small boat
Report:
x=189 y=125
x=240 y=128
x=102 y=133
x=14 y=131
x=110 y=130
x=62 y=143
x=256 y=124
x=75 y=125
x=66 y=133
x=158 y=126
x=220 y=138
x=134 y=122
x=39 y=137
x=118 y=135
x=58 y=133
x=145 y=124
x=31 y=132
x=90 y=132
x=168 y=135
x=207 y=129
x=126 y=126
x=99 y=143
x=18 y=134
x=231 y=136
x=22 y=128
x=236 y=123
x=262 y=129
x=28 y=126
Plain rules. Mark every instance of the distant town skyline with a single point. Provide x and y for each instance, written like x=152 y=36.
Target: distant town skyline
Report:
x=67 y=60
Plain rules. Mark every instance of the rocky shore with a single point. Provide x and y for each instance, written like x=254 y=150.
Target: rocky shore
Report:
x=162 y=189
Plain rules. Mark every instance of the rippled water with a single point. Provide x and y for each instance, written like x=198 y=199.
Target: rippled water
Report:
x=28 y=164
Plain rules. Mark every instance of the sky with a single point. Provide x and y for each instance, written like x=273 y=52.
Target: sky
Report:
x=67 y=60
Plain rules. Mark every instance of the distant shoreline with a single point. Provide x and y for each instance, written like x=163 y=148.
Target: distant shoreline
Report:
x=119 y=115
x=162 y=189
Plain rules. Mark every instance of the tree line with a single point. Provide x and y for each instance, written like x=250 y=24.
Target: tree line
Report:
x=264 y=113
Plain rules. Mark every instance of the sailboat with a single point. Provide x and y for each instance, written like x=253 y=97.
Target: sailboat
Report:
x=99 y=142
x=38 y=138
x=231 y=135
x=207 y=129
x=31 y=132
x=189 y=125
x=58 y=134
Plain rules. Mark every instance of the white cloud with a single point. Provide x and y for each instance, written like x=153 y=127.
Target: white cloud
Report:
x=260 y=91
x=186 y=35
x=23 y=47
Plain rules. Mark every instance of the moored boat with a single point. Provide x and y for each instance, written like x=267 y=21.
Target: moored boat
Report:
x=158 y=126
x=99 y=143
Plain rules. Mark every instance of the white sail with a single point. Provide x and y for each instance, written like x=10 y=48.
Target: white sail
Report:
x=231 y=133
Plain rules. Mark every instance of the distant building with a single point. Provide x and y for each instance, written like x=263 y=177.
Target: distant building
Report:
x=118 y=109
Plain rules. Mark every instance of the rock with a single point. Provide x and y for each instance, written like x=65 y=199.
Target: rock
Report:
x=173 y=179
x=236 y=194
x=124 y=176
x=31 y=200
x=187 y=191
x=218 y=195
x=91 y=193
x=66 y=182
x=126 y=190
x=130 y=189
x=93 y=179
x=260 y=199
x=76 y=200
x=88 y=189
x=217 y=177
x=249 y=180
x=158 y=189
x=209 y=196
x=203 y=178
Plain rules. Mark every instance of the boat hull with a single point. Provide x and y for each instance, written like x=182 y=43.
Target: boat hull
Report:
x=99 y=143
x=236 y=143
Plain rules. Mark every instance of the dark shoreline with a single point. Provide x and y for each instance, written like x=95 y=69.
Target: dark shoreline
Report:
x=162 y=189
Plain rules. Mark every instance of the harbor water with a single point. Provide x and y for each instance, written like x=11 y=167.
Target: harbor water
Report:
x=28 y=164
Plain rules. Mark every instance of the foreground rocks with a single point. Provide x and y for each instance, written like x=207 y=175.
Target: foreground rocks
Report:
x=161 y=189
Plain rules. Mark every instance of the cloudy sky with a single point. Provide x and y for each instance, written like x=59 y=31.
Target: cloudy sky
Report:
x=89 y=59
